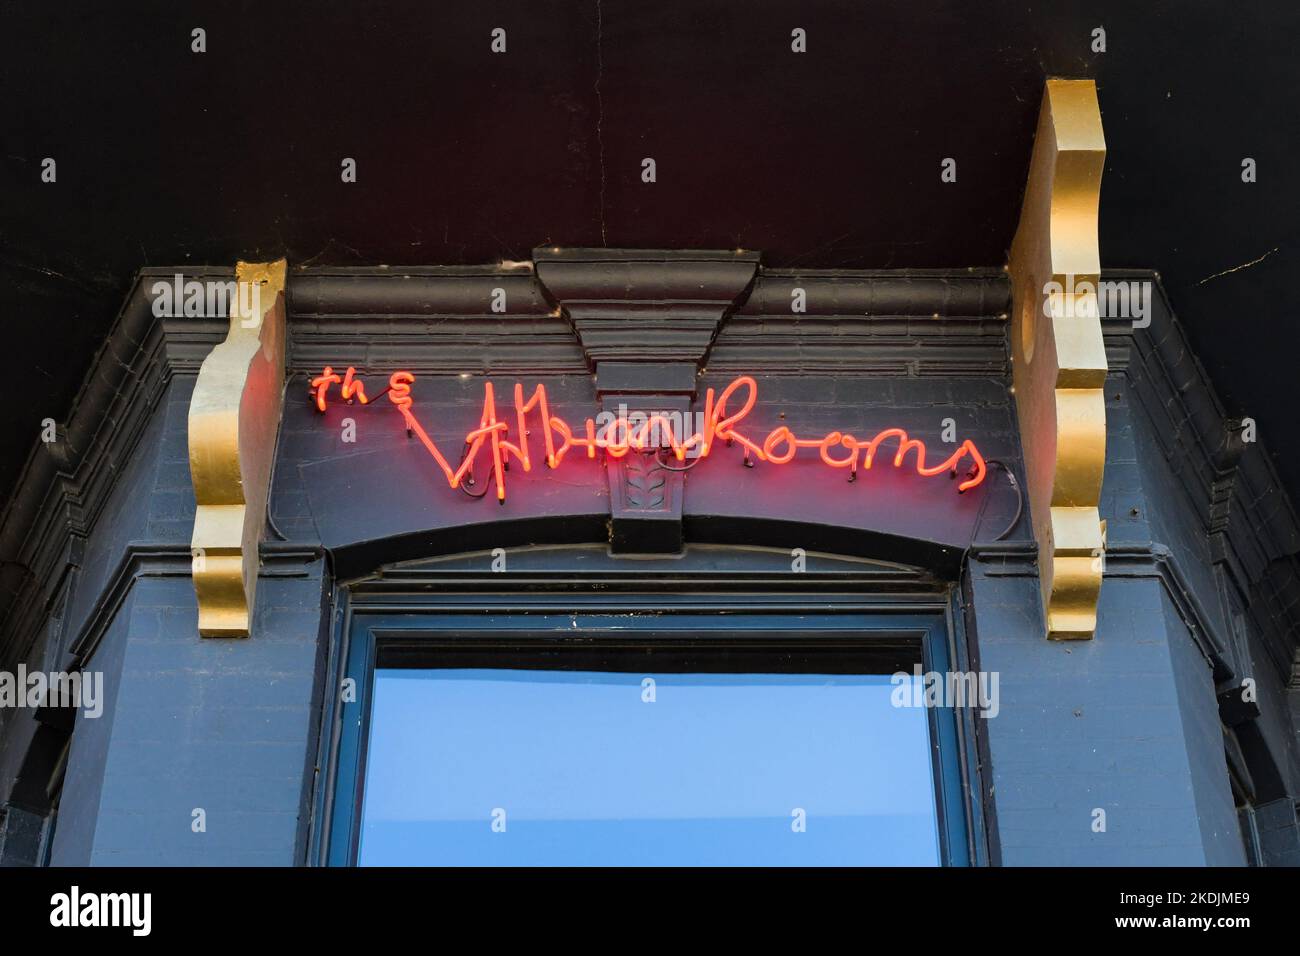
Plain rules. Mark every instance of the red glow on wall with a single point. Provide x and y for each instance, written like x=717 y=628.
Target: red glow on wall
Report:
x=723 y=417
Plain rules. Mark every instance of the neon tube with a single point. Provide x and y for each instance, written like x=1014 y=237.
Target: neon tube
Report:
x=618 y=437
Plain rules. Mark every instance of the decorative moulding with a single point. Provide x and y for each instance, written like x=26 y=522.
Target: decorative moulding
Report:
x=645 y=318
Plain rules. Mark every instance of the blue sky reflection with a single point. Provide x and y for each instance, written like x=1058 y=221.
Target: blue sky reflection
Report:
x=710 y=773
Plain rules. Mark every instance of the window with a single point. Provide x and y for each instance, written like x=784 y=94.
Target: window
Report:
x=680 y=737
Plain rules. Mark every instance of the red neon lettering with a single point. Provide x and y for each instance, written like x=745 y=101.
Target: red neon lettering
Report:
x=350 y=385
x=321 y=385
x=618 y=437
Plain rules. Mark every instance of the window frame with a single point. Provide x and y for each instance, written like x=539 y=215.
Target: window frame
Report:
x=374 y=614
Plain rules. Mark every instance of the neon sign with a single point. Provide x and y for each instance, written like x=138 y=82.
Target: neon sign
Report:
x=656 y=433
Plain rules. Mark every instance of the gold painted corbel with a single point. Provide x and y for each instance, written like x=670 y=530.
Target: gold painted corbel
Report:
x=233 y=421
x=1058 y=356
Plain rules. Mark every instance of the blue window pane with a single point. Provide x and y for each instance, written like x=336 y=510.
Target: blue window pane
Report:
x=524 y=767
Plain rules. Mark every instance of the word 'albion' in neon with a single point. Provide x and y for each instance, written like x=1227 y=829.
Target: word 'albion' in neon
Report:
x=618 y=437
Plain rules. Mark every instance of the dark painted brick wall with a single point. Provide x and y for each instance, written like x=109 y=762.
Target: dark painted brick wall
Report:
x=1203 y=736
x=74 y=837
x=221 y=726
x=1087 y=725
x=225 y=726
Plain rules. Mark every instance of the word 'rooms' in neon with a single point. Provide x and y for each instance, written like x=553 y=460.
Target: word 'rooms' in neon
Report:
x=619 y=436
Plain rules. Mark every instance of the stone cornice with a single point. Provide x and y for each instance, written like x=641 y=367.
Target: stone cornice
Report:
x=175 y=561
x=1232 y=486
x=64 y=486
x=440 y=322
x=1130 y=561
x=917 y=323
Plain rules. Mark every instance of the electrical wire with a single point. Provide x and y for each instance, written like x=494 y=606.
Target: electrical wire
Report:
x=1020 y=502
x=667 y=467
x=275 y=461
x=464 y=485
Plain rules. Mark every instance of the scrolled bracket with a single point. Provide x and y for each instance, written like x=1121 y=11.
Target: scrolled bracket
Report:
x=1058 y=355
x=233 y=420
